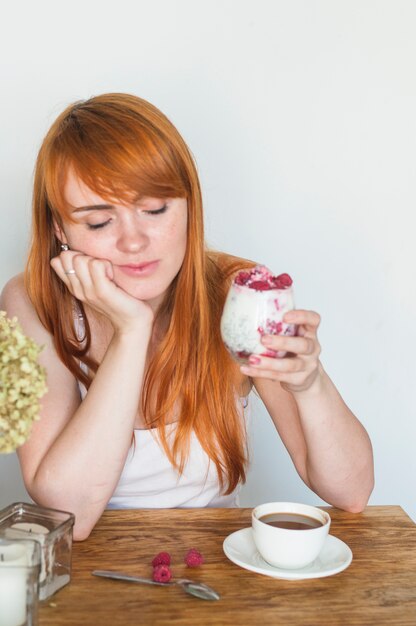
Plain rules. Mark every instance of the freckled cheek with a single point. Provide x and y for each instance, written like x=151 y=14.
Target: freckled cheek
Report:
x=174 y=238
x=181 y=243
x=89 y=245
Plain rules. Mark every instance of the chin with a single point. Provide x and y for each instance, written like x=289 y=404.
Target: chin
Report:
x=141 y=291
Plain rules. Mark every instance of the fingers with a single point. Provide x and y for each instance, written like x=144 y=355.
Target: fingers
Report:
x=83 y=275
x=260 y=365
x=295 y=374
x=98 y=278
x=296 y=345
x=309 y=319
x=301 y=364
x=90 y=280
x=64 y=271
x=268 y=365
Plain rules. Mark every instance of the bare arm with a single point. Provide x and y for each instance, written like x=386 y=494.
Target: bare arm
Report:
x=76 y=452
x=328 y=445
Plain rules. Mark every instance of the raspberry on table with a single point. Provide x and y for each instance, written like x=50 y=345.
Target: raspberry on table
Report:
x=162 y=574
x=163 y=558
x=193 y=558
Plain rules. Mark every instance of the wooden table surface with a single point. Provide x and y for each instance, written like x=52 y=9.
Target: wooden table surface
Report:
x=379 y=587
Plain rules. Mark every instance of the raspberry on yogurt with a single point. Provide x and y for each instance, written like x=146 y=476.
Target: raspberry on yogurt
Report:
x=255 y=306
x=261 y=279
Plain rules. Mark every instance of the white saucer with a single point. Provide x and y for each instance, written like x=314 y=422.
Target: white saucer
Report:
x=334 y=557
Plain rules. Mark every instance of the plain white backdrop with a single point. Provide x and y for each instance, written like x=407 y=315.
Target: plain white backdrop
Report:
x=302 y=119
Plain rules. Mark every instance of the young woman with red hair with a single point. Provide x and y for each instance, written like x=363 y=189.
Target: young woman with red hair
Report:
x=145 y=406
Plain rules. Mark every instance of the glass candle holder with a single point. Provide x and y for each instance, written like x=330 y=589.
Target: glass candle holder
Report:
x=250 y=313
x=20 y=563
x=52 y=530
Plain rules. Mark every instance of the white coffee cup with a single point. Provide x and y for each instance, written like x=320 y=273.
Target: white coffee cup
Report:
x=289 y=548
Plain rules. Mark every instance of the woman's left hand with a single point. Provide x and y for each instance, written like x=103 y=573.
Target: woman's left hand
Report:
x=300 y=368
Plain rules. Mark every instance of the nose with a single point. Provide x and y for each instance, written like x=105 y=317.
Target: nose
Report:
x=132 y=237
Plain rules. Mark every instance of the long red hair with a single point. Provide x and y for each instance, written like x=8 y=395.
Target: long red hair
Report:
x=122 y=147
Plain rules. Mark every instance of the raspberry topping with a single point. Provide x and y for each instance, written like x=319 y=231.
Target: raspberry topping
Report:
x=162 y=574
x=193 y=558
x=242 y=278
x=261 y=279
x=260 y=285
x=163 y=558
x=283 y=281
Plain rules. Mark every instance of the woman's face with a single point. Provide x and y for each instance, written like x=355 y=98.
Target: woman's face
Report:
x=145 y=242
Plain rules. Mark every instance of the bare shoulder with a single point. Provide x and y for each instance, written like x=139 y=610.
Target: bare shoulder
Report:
x=14 y=299
x=14 y=288
x=16 y=302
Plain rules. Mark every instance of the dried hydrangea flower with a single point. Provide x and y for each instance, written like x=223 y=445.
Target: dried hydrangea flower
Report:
x=22 y=384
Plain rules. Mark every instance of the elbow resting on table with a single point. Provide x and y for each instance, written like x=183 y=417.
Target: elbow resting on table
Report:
x=84 y=526
x=358 y=502
x=347 y=497
x=81 y=534
x=355 y=507
x=86 y=512
x=81 y=529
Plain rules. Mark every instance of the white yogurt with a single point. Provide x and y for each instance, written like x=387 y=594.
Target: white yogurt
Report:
x=248 y=314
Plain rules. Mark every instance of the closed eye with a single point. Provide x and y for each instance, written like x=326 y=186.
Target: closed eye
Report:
x=157 y=211
x=96 y=226
x=162 y=209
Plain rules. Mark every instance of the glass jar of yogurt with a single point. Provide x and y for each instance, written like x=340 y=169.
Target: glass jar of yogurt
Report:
x=255 y=306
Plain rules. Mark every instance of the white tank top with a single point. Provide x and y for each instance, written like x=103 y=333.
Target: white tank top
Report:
x=149 y=480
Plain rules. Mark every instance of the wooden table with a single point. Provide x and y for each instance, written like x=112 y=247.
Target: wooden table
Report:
x=379 y=587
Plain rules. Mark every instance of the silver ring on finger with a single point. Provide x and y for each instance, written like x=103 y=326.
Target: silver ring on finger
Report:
x=70 y=272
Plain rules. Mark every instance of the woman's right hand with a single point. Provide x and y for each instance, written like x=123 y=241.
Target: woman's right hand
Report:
x=91 y=281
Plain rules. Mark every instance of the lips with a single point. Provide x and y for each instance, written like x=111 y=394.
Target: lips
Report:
x=139 y=269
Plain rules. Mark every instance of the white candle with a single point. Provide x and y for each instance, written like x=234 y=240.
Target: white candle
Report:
x=34 y=529
x=13 y=562
x=30 y=530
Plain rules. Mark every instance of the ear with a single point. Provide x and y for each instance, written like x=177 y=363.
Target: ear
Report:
x=59 y=233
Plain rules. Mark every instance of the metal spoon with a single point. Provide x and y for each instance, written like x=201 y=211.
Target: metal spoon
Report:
x=200 y=590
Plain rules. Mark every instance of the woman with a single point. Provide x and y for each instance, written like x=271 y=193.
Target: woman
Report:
x=126 y=299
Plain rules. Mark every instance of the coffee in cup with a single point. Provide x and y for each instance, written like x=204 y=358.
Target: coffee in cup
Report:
x=289 y=535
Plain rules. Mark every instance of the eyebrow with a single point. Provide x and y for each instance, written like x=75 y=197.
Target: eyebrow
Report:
x=93 y=207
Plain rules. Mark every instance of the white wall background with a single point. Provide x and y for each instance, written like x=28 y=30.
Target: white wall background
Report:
x=302 y=118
